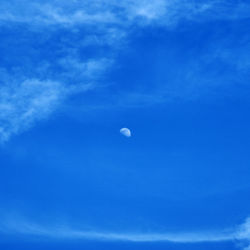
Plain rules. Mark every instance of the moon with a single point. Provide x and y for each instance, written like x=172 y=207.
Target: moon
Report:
x=126 y=132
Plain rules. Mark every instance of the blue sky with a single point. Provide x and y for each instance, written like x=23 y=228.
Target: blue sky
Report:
x=72 y=73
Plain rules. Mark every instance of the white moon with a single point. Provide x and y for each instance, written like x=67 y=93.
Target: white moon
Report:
x=125 y=131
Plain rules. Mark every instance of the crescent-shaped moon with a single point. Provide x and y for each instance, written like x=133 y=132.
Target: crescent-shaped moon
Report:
x=126 y=132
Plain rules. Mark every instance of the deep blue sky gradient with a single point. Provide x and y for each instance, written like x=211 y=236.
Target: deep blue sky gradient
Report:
x=181 y=86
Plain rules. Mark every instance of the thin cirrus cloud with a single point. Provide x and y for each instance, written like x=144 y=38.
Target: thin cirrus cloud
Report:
x=43 y=71
x=122 y=12
x=24 y=103
x=241 y=234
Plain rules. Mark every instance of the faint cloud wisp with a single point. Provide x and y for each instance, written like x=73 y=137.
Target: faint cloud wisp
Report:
x=75 y=44
x=240 y=235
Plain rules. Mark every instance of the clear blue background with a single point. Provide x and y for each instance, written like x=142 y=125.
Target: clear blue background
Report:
x=184 y=93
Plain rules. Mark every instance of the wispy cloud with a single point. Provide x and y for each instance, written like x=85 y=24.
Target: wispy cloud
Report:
x=243 y=234
x=30 y=92
x=240 y=234
x=122 y=13
x=24 y=103
x=44 y=71
x=28 y=228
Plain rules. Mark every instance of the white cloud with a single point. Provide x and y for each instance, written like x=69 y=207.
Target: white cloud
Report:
x=23 y=104
x=113 y=12
x=27 y=228
x=105 y=23
x=243 y=234
x=16 y=225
